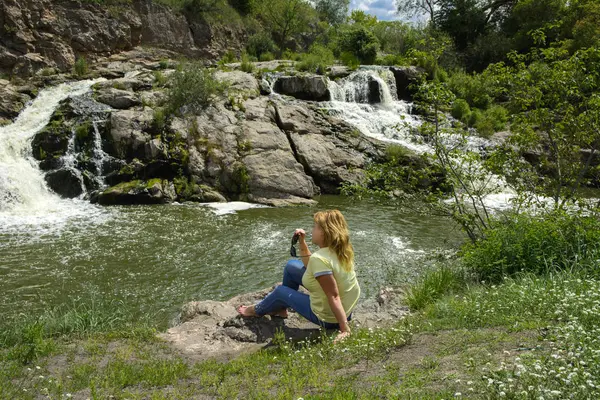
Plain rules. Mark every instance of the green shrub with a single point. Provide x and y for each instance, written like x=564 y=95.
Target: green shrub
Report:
x=525 y=243
x=244 y=7
x=499 y=117
x=193 y=88
x=159 y=120
x=259 y=44
x=81 y=67
x=433 y=285
x=267 y=57
x=461 y=110
x=350 y=60
x=475 y=118
x=316 y=60
x=473 y=88
x=228 y=58
x=290 y=55
x=246 y=65
x=359 y=41
x=490 y=121
x=391 y=59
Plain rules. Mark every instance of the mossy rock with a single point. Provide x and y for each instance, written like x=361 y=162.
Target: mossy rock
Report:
x=153 y=191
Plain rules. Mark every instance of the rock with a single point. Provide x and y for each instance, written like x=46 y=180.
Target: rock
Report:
x=66 y=182
x=209 y=329
x=338 y=71
x=239 y=82
x=28 y=64
x=265 y=88
x=11 y=101
x=154 y=191
x=375 y=89
x=405 y=77
x=276 y=173
x=127 y=133
x=304 y=87
x=143 y=82
x=119 y=99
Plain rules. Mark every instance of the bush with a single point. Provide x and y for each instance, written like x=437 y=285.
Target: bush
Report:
x=433 y=285
x=246 y=66
x=259 y=44
x=359 y=41
x=473 y=88
x=537 y=245
x=492 y=120
x=316 y=60
x=461 y=110
x=391 y=59
x=244 y=7
x=350 y=60
x=266 y=57
x=192 y=89
x=81 y=67
x=476 y=117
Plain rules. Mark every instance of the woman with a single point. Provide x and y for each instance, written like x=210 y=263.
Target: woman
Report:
x=328 y=275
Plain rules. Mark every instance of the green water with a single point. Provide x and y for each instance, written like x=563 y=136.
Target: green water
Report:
x=159 y=257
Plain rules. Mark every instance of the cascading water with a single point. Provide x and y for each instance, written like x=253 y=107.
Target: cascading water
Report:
x=24 y=196
x=368 y=100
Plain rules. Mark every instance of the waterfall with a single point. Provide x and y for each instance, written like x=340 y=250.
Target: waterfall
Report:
x=24 y=196
x=389 y=119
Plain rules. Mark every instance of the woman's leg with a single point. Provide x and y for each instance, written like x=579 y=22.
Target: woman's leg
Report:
x=292 y=274
x=280 y=298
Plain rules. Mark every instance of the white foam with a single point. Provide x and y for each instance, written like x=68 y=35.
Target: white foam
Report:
x=25 y=200
x=231 y=207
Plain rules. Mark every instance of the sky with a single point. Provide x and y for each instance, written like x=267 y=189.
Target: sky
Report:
x=382 y=9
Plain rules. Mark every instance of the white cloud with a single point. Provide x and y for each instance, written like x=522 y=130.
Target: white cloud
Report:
x=382 y=9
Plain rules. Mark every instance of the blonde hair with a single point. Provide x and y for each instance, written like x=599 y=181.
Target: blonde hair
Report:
x=337 y=237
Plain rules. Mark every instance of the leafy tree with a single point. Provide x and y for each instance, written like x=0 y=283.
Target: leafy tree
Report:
x=333 y=11
x=360 y=42
x=285 y=18
x=411 y=8
x=360 y=17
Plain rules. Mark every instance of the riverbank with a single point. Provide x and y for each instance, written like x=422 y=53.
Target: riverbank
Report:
x=514 y=315
x=513 y=338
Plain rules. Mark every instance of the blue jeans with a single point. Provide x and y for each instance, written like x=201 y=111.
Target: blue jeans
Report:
x=287 y=295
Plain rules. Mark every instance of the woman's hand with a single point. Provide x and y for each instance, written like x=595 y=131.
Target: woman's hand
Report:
x=301 y=235
x=341 y=336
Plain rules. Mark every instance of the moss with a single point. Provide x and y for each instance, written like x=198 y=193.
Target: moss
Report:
x=81 y=67
x=119 y=85
x=82 y=131
x=125 y=187
x=241 y=178
x=244 y=146
x=153 y=182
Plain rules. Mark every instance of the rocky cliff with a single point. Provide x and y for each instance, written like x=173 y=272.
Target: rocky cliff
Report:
x=275 y=150
x=37 y=34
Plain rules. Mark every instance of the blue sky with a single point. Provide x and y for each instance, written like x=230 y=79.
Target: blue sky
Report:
x=383 y=9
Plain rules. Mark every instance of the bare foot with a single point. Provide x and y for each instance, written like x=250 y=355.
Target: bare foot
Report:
x=247 y=311
x=281 y=313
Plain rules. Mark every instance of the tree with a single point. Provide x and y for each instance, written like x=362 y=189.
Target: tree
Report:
x=360 y=42
x=285 y=18
x=463 y=20
x=556 y=101
x=332 y=11
x=360 y=17
x=416 y=7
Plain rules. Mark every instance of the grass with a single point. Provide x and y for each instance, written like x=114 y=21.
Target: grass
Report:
x=516 y=334
x=531 y=335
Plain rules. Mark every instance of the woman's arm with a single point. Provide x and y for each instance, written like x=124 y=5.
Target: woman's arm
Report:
x=330 y=288
x=303 y=247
